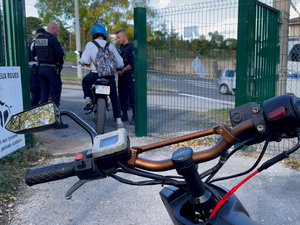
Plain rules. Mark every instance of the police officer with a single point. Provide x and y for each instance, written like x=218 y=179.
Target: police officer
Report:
x=35 y=89
x=125 y=81
x=50 y=56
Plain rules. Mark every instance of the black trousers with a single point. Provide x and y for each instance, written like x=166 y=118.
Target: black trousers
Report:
x=50 y=83
x=126 y=92
x=90 y=79
x=35 y=88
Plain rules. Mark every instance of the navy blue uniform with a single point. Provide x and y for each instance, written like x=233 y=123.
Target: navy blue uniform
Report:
x=125 y=81
x=51 y=58
x=35 y=89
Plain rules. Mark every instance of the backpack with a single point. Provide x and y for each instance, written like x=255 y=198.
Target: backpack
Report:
x=105 y=61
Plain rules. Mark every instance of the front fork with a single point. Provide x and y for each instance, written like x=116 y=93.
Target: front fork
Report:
x=194 y=205
x=201 y=199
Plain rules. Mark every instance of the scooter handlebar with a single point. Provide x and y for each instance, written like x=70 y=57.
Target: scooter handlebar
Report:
x=282 y=115
x=49 y=173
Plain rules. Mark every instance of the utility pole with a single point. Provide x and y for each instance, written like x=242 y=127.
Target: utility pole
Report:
x=77 y=31
x=284 y=7
x=70 y=36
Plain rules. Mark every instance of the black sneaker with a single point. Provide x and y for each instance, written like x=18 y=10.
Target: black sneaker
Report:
x=124 y=117
x=88 y=107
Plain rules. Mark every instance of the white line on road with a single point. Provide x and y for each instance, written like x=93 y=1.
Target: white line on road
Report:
x=210 y=99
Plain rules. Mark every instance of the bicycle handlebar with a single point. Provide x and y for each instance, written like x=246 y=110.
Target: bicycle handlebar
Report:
x=279 y=119
x=198 y=157
x=49 y=173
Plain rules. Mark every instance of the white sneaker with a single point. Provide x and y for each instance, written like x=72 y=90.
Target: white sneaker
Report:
x=120 y=125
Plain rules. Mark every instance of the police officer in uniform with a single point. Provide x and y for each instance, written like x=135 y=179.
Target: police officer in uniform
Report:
x=50 y=56
x=126 y=79
x=35 y=89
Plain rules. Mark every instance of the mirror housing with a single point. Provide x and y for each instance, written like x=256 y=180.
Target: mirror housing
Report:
x=40 y=118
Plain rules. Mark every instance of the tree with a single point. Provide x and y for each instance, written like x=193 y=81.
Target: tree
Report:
x=32 y=24
x=215 y=39
x=115 y=14
x=229 y=43
x=173 y=40
x=200 y=46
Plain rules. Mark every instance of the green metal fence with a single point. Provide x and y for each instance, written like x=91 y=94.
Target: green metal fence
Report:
x=196 y=51
x=189 y=48
x=13 y=47
x=258 y=52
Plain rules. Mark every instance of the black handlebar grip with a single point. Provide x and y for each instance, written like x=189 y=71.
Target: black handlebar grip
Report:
x=49 y=173
x=282 y=114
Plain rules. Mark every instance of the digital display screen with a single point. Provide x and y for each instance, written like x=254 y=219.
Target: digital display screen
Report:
x=108 y=141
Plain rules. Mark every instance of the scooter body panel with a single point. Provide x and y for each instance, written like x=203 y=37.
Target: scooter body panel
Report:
x=176 y=202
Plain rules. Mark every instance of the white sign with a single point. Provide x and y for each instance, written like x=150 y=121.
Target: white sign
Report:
x=11 y=102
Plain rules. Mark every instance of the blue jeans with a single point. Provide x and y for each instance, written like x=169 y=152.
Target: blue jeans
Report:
x=51 y=85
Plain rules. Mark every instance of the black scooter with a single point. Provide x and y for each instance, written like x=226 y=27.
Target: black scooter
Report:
x=100 y=94
x=100 y=99
x=188 y=199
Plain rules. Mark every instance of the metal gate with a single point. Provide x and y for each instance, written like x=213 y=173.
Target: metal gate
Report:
x=257 y=53
x=13 y=45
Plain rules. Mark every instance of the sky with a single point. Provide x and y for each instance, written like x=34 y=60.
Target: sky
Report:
x=209 y=20
x=31 y=10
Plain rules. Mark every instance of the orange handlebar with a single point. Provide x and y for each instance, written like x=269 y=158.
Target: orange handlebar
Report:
x=230 y=137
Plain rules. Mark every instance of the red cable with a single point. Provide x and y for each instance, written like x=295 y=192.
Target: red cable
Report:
x=230 y=193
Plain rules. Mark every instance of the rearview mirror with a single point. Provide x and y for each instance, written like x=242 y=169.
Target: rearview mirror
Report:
x=40 y=118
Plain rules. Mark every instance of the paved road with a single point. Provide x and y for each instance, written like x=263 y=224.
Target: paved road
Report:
x=165 y=110
x=180 y=102
x=189 y=85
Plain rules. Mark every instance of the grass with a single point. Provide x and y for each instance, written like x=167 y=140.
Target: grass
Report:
x=12 y=168
x=292 y=163
x=71 y=57
x=69 y=79
x=217 y=115
x=196 y=144
x=161 y=89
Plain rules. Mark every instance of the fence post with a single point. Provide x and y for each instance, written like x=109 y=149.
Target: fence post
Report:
x=246 y=18
x=140 y=71
x=256 y=61
x=16 y=46
x=284 y=7
x=2 y=54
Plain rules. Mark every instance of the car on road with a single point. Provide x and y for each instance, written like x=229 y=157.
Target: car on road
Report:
x=227 y=81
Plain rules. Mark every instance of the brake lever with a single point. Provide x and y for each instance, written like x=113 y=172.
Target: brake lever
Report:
x=88 y=112
x=75 y=186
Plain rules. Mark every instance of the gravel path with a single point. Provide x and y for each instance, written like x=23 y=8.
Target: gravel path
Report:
x=271 y=196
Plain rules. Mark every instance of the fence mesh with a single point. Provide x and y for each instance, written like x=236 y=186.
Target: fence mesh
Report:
x=189 y=48
x=192 y=52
